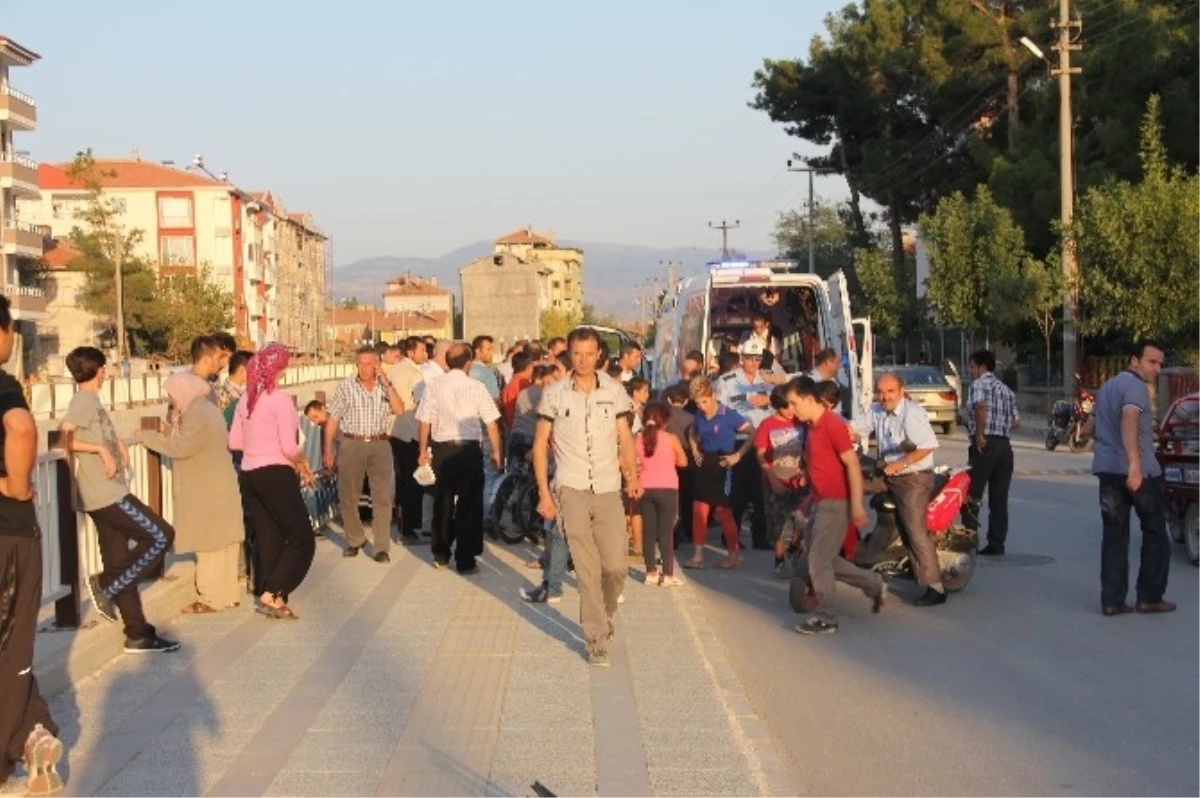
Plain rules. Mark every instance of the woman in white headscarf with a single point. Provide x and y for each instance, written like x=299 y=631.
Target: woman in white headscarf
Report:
x=208 y=503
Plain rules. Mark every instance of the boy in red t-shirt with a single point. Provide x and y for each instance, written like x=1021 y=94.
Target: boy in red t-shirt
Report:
x=836 y=481
x=779 y=445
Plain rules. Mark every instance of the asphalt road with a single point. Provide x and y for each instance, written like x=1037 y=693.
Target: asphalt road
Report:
x=1017 y=686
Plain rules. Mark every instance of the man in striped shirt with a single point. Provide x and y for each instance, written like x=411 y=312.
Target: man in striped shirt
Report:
x=992 y=415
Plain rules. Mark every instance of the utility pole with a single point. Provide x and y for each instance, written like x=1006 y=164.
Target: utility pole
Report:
x=119 y=286
x=670 y=276
x=725 y=227
x=1070 y=267
x=812 y=218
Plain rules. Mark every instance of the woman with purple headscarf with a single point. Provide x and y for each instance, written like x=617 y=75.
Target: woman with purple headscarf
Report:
x=266 y=430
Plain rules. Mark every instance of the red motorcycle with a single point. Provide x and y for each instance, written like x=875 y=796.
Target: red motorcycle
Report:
x=1067 y=419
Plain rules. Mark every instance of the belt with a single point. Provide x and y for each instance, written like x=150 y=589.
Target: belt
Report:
x=365 y=438
x=462 y=442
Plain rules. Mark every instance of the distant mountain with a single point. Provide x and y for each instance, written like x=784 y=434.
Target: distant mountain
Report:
x=611 y=272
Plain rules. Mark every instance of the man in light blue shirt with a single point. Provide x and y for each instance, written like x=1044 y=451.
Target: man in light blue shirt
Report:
x=906 y=443
x=748 y=391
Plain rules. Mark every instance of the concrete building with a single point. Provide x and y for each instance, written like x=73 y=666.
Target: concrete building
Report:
x=272 y=262
x=20 y=241
x=409 y=293
x=505 y=293
x=350 y=328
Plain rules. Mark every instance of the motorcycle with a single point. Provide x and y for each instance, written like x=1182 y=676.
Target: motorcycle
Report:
x=884 y=552
x=1067 y=418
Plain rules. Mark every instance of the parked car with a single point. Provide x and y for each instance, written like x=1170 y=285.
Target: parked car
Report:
x=1179 y=456
x=928 y=387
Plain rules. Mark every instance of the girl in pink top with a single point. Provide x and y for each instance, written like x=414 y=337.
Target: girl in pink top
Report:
x=659 y=454
x=266 y=430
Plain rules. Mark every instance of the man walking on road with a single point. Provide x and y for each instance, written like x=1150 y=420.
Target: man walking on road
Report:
x=26 y=731
x=992 y=415
x=906 y=444
x=361 y=409
x=588 y=418
x=1131 y=478
x=454 y=413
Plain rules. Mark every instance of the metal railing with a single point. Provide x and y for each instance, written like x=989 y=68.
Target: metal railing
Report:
x=19 y=160
x=20 y=95
x=24 y=227
x=22 y=290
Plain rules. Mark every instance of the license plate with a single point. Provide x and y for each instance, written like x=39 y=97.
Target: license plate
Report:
x=1173 y=474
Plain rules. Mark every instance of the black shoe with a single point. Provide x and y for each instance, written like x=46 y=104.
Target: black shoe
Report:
x=930 y=598
x=991 y=550
x=473 y=568
x=440 y=564
x=103 y=604
x=150 y=645
x=382 y=556
x=351 y=551
x=815 y=626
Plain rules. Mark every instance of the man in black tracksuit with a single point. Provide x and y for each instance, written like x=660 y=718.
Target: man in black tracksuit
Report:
x=27 y=733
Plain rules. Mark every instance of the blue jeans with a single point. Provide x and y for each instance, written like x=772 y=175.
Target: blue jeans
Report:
x=1116 y=503
x=555 y=569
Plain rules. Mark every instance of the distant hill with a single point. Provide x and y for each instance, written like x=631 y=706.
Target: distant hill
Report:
x=611 y=271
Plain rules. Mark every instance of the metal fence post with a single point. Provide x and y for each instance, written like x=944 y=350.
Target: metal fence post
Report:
x=68 y=610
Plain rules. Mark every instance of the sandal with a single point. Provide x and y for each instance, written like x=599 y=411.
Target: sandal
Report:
x=652 y=579
x=671 y=581
x=694 y=564
x=197 y=608
x=729 y=563
x=283 y=613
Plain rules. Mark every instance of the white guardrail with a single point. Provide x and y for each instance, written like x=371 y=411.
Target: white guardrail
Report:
x=151 y=479
x=50 y=400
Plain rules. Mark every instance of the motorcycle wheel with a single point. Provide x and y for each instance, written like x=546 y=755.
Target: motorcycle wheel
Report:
x=508 y=532
x=1051 y=440
x=1191 y=533
x=965 y=569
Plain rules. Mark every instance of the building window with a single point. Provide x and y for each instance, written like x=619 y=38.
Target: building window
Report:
x=556 y=284
x=174 y=212
x=177 y=250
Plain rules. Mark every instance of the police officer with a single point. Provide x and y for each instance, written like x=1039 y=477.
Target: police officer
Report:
x=747 y=390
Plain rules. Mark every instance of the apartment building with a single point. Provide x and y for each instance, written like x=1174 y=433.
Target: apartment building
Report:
x=272 y=263
x=505 y=293
x=349 y=328
x=20 y=242
x=420 y=296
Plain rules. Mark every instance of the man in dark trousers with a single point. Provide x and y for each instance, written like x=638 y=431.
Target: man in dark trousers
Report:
x=992 y=415
x=449 y=417
x=27 y=734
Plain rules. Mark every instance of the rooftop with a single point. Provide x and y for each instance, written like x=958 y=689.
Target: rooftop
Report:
x=57 y=255
x=409 y=285
x=526 y=236
x=15 y=54
x=125 y=173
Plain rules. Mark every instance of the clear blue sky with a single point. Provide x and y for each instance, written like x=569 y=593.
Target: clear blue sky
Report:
x=415 y=128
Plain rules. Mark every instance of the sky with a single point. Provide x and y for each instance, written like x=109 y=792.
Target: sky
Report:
x=412 y=129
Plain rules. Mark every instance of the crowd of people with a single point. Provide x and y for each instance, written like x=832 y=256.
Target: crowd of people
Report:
x=423 y=430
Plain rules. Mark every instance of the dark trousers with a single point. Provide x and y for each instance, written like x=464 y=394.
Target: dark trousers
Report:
x=748 y=489
x=125 y=568
x=1115 y=503
x=458 y=502
x=249 y=553
x=21 y=704
x=660 y=511
x=408 y=492
x=912 y=492
x=991 y=470
x=286 y=543
x=687 y=493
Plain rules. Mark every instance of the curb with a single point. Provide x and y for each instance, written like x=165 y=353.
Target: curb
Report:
x=64 y=657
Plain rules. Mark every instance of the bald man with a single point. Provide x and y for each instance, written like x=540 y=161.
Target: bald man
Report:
x=900 y=424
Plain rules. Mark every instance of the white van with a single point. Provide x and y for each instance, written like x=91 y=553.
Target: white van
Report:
x=807 y=314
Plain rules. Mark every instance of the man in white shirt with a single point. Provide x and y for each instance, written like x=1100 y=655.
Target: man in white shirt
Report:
x=406 y=375
x=452 y=416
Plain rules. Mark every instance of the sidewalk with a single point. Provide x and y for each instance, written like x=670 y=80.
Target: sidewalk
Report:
x=403 y=680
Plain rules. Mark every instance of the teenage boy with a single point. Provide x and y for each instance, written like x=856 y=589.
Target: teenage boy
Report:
x=836 y=480
x=119 y=516
x=779 y=445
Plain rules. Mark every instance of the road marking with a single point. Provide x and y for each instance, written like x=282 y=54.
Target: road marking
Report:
x=621 y=767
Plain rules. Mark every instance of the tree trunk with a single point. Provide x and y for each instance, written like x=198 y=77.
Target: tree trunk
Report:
x=856 y=215
x=1012 y=93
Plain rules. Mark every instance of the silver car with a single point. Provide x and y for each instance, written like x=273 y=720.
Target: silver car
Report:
x=928 y=387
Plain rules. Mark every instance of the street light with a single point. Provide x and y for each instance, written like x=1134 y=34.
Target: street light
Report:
x=1033 y=48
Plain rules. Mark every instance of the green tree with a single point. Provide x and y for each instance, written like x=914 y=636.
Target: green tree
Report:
x=892 y=309
x=557 y=323
x=974 y=246
x=191 y=304
x=832 y=238
x=1035 y=296
x=1138 y=247
x=104 y=244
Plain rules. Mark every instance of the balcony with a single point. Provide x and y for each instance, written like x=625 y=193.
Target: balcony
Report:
x=17 y=108
x=24 y=240
x=19 y=174
x=28 y=304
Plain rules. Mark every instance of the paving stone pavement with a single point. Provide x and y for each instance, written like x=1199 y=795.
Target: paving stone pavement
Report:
x=403 y=680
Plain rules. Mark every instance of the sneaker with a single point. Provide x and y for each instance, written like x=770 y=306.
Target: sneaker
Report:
x=42 y=752
x=815 y=626
x=540 y=595
x=782 y=571
x=100 y=600
x=150 y=645
x=382 y=557
x=599 y=659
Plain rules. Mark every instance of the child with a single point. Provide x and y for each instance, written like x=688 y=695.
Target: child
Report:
x=829 y=394
x=119 y=516
x=779 y=446
x=660 y=454
x=713 y=439
x=836 y=480
x=639 y=393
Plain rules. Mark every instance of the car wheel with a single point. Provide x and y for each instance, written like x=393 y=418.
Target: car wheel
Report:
x=1191 y=532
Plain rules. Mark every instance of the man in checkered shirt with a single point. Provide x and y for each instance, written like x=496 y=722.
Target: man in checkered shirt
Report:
x=991 y=417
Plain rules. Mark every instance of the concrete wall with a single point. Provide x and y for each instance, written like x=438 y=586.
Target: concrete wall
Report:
x=501 y=301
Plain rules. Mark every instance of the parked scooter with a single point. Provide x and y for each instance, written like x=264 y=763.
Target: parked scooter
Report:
x=884 y=552
x=1067 y=419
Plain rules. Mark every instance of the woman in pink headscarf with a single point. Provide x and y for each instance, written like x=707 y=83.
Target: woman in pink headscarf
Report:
x=266 y=429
